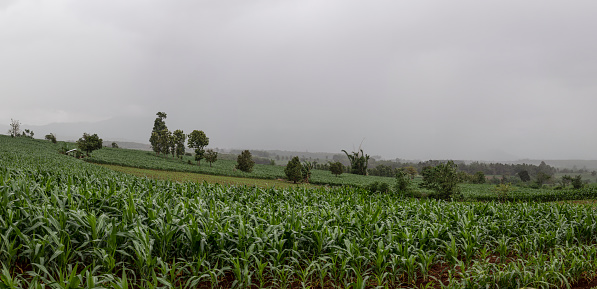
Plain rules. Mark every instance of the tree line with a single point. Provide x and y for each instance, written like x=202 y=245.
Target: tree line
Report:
x=389 y=169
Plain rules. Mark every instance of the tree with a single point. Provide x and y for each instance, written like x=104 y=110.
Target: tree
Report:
x=577 y=182
x=358 y=162
x=411 y=171
x=524 y=176
x=159 y=134
x=167 y=143
x=28 y=133
x=541 y=178
x=15 y=128
x=211 y=156
x=403 y=182
x=244 y=161
x=294 y=170
x=114 y=145
x=306 y=170
x=443 y=179
x=198 y=140
x=89 y=143
x=179 y=139
x=51 y=137
x=479 y=178
x=336 y=168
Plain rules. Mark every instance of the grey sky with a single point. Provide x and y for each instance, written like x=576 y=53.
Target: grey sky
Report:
x=416 y=79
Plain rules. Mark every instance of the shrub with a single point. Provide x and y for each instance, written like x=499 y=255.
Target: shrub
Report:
x=502 y=191
x=403 y=183
x=377 y=187
x=577 y=182
x=89 y=143
x=244 y=161
x=443 y=179
x=51 y=137
x=294 y=170
x=336 y=168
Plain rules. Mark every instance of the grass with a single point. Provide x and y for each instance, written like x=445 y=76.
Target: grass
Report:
x=196 y=177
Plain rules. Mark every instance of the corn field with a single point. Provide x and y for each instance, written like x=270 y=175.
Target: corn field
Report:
x=68 y=224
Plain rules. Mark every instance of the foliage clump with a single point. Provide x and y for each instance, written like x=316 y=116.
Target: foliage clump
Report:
x=211 y=156
x=378 y=187
x=403 y=183
x=198 y=140
x=89 y=143
x=244 y=161
x=502 y=191
x=443 y=180
x=576 y=182
x=306 y=170
x=51 y=137
x=336 y=168
x=294 y=170
x=479 y=178
x=159 y=134
x=358 y=162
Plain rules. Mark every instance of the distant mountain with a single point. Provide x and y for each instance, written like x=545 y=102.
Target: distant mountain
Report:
x=129 y=145
x=117 y=129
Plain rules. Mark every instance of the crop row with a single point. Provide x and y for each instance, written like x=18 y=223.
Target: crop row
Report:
x=245 y=236
x=148 y=160
x=68 y=224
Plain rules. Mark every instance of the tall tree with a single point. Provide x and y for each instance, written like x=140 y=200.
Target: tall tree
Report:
x=179 y=140
x=89 y=143
x=15 y=128
x=159 y=134
x=198 y=140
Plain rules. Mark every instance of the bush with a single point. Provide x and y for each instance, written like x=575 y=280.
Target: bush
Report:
x=51 y=137
x=89 y=143
x=244 y=161
x=479 y=178
x=502 y=191
x=577 y=182
x=377 y=187
x=403 y=183
x=443 y=179
x=294 y=170
x=336 y=168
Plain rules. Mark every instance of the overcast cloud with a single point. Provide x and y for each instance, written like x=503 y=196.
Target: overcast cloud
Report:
x=415 y=79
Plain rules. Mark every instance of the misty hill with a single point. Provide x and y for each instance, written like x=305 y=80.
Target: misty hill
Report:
x=116 y=129
x=562 y=164
x=129 y=145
